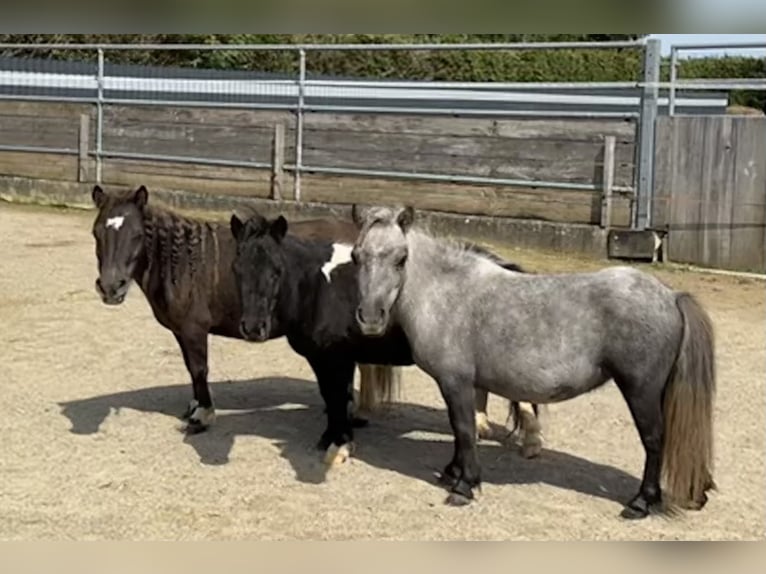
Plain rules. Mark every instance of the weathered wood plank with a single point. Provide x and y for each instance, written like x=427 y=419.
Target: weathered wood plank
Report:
x=748 y=216
x=39 y=131
x=195 y=116
x=199 y=178
x=486 y=157
x=277 y=162
x=44 y=109
x=39 y=165
x=554 y=129
x=663 y=172
x=607 y=182
x=551 y=205
x=83 y=160
x=715 y=186
x=683 y=242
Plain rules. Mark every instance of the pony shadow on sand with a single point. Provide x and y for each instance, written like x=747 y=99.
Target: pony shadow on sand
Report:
x=290 y=412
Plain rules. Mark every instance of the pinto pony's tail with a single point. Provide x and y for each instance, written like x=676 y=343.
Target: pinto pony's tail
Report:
x=378 y=384
x=687 y=455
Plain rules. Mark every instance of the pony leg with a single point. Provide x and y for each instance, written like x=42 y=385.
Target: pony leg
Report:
x=646 y=408
x=530 y=429
x=463 y=473
x=201 y=412
x=483 y=428
x=336 y=386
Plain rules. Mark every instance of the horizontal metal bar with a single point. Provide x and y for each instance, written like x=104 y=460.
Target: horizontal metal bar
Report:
x=719 y=46
x=36 y=149
x=197 y=104
x=184 y=159
x=52 y=99
x=435 y=84
x=332 y=47
x=714 y=85
x=457 y=178
x=466 y=112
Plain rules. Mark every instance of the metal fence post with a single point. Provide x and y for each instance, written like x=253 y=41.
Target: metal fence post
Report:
x=673 y=78
x=100 y=114
x=649 y=93
x=299 y=123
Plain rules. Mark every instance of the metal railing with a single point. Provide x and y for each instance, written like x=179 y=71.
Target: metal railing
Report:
x=709 y=84
x=301 y=94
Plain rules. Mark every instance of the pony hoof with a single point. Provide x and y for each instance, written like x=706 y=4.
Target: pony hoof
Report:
x=457 y=499
x=445 y=480
x=189 y=410
x=195 y=427
x=359 y=422
x=630 y=513
x=636 y=509
x=531 y=450
x=337 y=455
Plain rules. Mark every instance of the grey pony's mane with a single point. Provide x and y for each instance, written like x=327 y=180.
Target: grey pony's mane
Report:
x=457 y=253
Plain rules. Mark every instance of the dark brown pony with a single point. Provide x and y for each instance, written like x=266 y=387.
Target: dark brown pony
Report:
x=183 y=266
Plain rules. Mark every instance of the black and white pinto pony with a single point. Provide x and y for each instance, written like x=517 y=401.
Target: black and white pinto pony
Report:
x=546 y=338
x=306 y=290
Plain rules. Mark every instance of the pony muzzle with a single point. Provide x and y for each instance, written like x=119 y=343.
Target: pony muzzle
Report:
x=112 y=292
x=252 y=331
x=372 y=324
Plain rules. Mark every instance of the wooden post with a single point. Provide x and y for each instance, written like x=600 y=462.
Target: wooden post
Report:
x=607 y=182
x=277 y=161
x=84 y=139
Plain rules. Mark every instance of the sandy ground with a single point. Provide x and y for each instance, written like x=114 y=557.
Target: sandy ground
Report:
x=91 y=447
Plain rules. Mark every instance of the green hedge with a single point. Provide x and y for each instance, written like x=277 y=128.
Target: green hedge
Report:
x=545 y=66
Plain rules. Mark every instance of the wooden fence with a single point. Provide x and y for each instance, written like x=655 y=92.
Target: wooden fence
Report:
x=710 y=190
x=570 y=150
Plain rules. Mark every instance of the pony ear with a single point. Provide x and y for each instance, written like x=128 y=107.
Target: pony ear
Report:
x=278 y=228
x=98 y=195
x=405 y=217
x=141 y=197
x=358 y=215
x=236 y=226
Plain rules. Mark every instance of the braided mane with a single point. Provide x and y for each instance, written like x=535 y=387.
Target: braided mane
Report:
x=175 y=244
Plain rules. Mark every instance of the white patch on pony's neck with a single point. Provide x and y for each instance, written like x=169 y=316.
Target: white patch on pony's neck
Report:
x=115 y=222
x=341 y=253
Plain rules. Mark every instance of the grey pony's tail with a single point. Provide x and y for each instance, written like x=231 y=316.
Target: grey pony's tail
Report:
x=687 y=457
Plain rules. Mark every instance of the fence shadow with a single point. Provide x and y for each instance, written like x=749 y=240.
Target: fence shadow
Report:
x=290 y=412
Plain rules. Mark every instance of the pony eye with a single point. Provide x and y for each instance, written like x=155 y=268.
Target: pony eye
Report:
x=402 y=260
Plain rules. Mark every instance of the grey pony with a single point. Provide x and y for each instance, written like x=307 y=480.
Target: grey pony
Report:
x=546 y=338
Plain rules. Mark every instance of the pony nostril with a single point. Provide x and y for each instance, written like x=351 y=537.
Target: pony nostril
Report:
x=121 y=283
x=381 y=314
x=359 y=316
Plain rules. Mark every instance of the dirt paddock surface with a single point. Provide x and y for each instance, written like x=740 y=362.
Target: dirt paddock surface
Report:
x=92 y=448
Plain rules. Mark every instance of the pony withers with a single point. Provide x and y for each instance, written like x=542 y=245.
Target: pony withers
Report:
x=306 y=290
x=546 y=338
x=183 y=266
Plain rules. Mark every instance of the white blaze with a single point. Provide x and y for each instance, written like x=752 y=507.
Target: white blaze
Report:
x=341 y=253
x=115 y=222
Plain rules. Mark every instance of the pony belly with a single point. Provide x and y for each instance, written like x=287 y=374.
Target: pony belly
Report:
x=543 y=389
